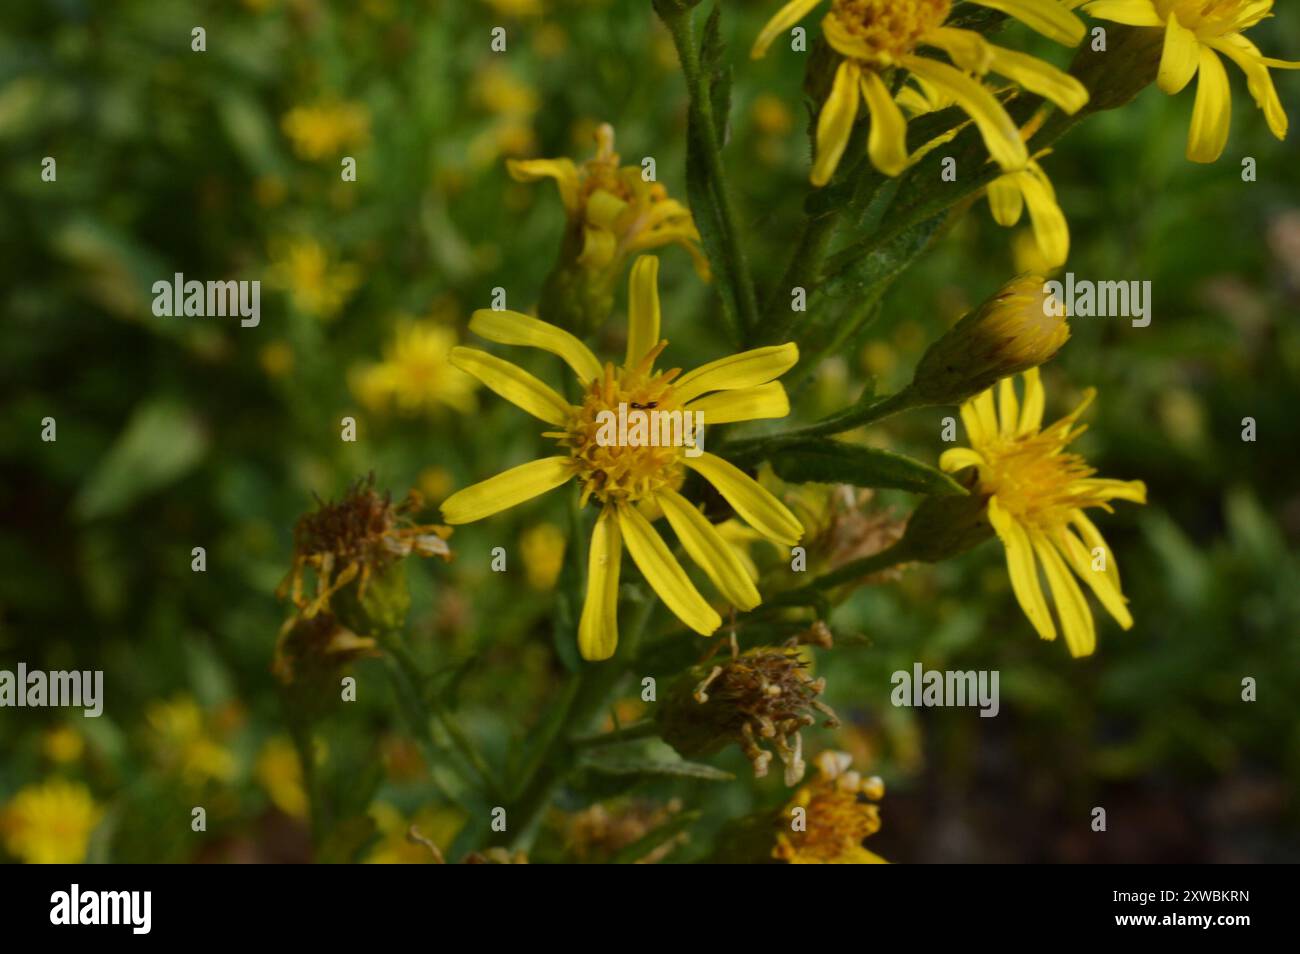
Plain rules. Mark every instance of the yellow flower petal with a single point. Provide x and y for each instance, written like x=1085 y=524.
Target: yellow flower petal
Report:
x=562 y=171
x=1022 y=569
x=1031 y=412
x=785 y=18
x=1039 y=76
x=1080 y=560
x=1048 y=17
x=664 y=574
x=1006 y=201
x=986 y=410
x=1008 y=408
x=1071 y=607
x=604 y=209
x=1141 y=13
x=956 y=458
x=975 y=431
x=966 y=48
x=642 y=308
x=763 y=402
x=745 y=370
x=1001 y=137
x=755 y=505
x=506 y=489
x=1258 y=80
x=1106 y=488
x=845 y=43
x=887 y=140
x=1092 y=539
x=1181 y=57
x=514 y=384
x=598 y=628
x=1051 y=231
x=1212 y=113
x=711 y=553
x=516 y=328
x=835 y=123
x=598 y=247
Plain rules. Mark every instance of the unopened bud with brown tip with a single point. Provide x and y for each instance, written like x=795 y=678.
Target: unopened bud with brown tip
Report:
x=1020 y=327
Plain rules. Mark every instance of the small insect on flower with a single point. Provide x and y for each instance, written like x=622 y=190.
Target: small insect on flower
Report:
x=356 y=539
x=830 y=819
x=635 y=483
x=1196 y=32
x=1037 y=494
x=874 y=36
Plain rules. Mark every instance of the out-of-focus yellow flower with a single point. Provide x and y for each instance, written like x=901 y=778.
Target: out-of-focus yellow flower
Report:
x=542 y=547
x=1196 y=32
x=183 y=742
x=276 y=358
x=324 y=130
x=550 y=40
x=513 y=103
x=415 y=375
x=874 y=36
x=63 y=744
x=435 y=482
x=316 y=285
x=50 y=823
x=772 y=117
x=1037 y=494
x=613 y=211
x=838 y=815
x=404 y=842
x=630 y=479
x=279 y=772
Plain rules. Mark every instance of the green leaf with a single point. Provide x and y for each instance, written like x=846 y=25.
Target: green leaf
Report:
x=162 y=441
x=652 y=757
x=835 y=462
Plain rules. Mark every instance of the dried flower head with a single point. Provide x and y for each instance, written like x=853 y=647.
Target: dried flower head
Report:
x=838 y=815
x=356 y=539
x=760 y=695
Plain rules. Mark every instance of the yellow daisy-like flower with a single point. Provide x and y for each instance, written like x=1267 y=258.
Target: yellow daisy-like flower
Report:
x=50 y=823
x=183 y=739
x=873 y=36
x=635 y=483
x=316 y=285
x=612 y=210
x=415 y=374
x=323 y=130
x=1196 y=32
x=839 y=814
x=1038 y=492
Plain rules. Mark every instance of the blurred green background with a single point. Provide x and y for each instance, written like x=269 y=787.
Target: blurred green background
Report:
x=174 y=433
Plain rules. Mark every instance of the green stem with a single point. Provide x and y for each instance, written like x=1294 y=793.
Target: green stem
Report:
x=413 y=680
x=846 y=420
x=586 y=694
x=853 y=570
x=302 y=742
x=813 y=240
x=681 y=25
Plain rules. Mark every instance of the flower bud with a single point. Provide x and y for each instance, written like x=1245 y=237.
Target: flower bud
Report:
x=1019 y=327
